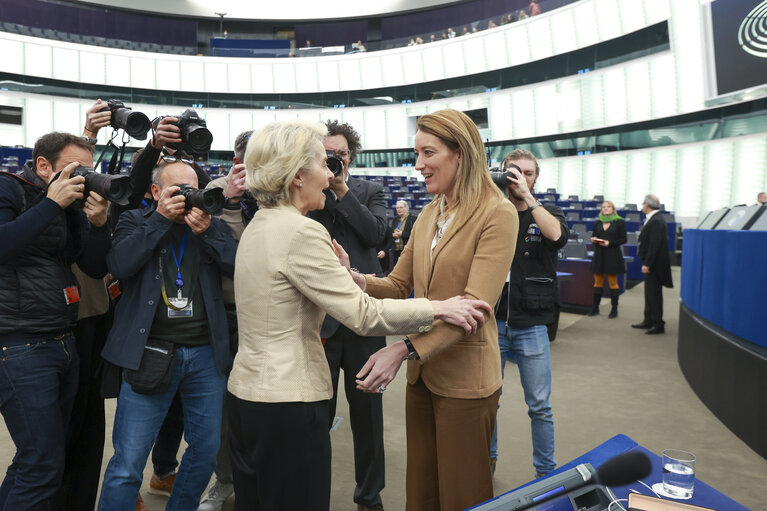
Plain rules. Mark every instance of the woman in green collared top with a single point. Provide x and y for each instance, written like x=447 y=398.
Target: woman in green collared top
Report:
x=608 y=235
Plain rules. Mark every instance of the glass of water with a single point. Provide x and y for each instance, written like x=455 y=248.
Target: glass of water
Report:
x=678 y=473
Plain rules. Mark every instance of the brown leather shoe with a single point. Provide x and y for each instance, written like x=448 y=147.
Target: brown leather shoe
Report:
x=377 y=507
x=140 y=506
x=162 y=486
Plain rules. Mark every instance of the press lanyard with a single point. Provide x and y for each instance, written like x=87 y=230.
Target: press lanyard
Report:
x=179 y=280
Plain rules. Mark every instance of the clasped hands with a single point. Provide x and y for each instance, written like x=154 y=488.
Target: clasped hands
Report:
x=382 y=366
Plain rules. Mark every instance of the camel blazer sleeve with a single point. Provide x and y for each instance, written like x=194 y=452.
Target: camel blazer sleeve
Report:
x=286 y=278
x=471 y=259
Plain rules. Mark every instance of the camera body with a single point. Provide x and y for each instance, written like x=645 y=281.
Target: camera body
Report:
x=211 y=200
x=195 y=137
x=135 y=124
x=335 y=163
x=114 y=188
x=499 y=178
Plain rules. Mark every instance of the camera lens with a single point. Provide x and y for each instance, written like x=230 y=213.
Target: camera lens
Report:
x=335 y=164
x=114 y=188
x=135 y=124
x=199 y=138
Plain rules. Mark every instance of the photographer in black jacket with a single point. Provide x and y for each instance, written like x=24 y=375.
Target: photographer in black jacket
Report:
x=527 y=303
x=43 y=233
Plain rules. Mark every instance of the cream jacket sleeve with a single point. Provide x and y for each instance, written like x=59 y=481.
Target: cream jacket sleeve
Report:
x=312 y=267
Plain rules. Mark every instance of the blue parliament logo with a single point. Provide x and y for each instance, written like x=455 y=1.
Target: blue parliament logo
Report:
x=752 y=35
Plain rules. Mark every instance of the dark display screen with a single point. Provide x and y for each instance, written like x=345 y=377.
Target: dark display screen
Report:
x=740 y=43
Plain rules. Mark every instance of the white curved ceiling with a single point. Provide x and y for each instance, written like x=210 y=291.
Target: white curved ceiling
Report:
x=261 y=10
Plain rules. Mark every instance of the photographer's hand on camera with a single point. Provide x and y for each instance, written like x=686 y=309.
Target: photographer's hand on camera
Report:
x=339 y=186
x=171 y=207
x=96 y=209
x=198 y=220
x=63 y=189
x=236 y=184
x=95 y=119
x=166 y=133
x=518 y=187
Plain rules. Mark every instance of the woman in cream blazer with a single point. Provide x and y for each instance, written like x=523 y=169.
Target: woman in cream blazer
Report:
x=286 y=277
x=462 y=244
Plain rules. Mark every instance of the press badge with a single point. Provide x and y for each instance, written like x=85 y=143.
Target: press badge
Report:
x=71 y=295
x=185 y=306
x=114 y=290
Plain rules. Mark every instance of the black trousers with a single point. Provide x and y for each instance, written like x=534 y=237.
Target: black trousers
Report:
x=348 y=351
x=653 y=299
x=280 y=454
x=85 y=441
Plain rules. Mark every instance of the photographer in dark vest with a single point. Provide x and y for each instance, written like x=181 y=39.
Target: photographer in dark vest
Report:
x=48 y=221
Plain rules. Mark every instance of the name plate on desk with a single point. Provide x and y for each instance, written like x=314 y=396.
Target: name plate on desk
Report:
x=640 y=502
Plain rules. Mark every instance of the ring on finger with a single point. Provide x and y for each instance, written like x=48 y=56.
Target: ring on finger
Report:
x=381 y=389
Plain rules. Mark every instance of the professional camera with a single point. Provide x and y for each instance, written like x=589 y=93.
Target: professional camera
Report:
x=211 y=200
x=335 y=164
x=115 y=188
x=499 y=178
x=135 y=124
x=195 y=136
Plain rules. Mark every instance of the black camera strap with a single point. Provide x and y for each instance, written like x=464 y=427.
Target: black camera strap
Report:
x=116 y=161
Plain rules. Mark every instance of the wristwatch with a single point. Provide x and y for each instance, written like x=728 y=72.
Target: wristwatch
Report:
x=412 y=354
x=537 y=203
x=91 y=141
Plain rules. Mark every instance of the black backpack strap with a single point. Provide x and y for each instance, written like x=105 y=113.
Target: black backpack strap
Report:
x=17 y=180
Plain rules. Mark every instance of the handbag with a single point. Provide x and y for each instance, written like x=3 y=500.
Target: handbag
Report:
x=156 y=369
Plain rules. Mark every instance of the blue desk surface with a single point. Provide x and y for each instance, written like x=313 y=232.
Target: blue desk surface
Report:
x=703 y=494
x=723 y=276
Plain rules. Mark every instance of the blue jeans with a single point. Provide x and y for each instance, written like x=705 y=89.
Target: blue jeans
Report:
x=138 y=419
x=529 y=347
x=38 y=383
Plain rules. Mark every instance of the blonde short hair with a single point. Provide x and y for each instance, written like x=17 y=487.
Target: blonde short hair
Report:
x=612 y=205
x=275 y=154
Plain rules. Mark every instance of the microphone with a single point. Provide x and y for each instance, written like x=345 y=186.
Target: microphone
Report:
x=617 y=471
x=624 y=469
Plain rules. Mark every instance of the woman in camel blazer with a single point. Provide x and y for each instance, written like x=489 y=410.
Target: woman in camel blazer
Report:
x=287 y=276
x=462 y=243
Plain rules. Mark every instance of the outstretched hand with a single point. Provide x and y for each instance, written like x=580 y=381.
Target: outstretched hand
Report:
x=381 y=368
x=460 y=311
x=342 y=256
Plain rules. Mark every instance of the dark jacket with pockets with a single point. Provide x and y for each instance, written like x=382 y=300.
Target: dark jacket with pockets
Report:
x=531 y=295
x=40 y=241
x=140 y=240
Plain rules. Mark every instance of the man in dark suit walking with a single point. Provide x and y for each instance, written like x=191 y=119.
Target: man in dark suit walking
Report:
x=355 y=216
x=656 y=267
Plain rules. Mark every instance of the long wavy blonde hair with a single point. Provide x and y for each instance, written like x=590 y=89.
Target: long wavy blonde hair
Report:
x=458 y=132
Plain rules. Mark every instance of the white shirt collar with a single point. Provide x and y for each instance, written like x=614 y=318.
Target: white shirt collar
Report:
x=650 y=215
